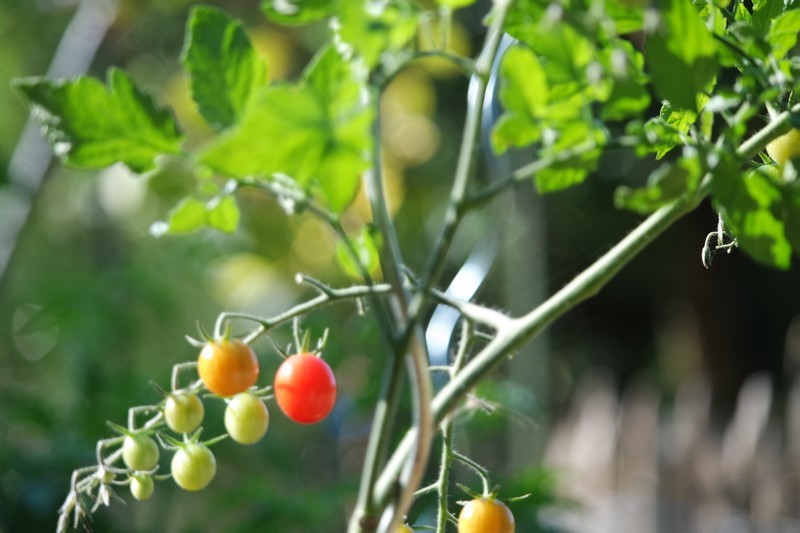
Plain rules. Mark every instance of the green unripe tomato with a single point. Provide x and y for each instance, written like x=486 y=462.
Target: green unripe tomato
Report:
x=785 y=147
x=183 y=412
x=246 y=418
x=193 y=466
x=142 y=486
x=404 y=528
x=140 y=452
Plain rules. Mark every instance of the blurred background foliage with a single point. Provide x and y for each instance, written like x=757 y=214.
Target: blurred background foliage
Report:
x=93 y=309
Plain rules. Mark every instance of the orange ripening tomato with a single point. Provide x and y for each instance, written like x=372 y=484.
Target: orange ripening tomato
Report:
x=485 y=515
x=227 y=367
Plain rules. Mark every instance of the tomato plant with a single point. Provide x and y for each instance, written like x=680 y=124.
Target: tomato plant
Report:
x=193 y=466
x=183 y=412
x=571 y=87
x=246 y=418
x=305 y=388
x=485 y=515
x=140 y=452
x=227 y=367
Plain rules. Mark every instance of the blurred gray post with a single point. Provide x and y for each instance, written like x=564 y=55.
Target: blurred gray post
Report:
x=32 y=156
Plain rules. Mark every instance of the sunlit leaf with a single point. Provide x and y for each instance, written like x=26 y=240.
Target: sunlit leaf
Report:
x=750 y=205
x=224 y=69
x=297 y=12
x=374 y=29
x=192 y=214
x=524 y=94
x=316 y=131
x=665 y=184
x=92 y=125
x=365 y=246
x=572 y=171
x=783 y=32
x=681 y=55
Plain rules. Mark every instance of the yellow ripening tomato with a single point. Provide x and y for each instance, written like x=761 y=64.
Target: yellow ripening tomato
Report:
x=785 y=147
x=485 y=515
x=227 y=367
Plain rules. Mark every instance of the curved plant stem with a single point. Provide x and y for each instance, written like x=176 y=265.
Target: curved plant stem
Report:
x=366 y=515
x=409 y=312
x=443 y=482
x=331 y=220
x=328 y=297
x=585 y=285
x=469 y=144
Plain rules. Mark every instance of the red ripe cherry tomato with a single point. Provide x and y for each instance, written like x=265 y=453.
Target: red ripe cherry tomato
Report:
x=305 y=388
x=485 y=515
x=227 y=367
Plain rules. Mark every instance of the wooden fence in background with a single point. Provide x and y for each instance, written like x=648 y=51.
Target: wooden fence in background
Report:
x=636 y=466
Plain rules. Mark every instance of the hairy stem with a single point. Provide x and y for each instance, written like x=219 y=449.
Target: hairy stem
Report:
x=585 y=285
x=366 y=515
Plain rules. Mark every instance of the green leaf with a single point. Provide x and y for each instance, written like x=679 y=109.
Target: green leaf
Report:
x=366 y=245
x=316 y=131
x=192 y=214
x=224 y=69
x=93 y=126
x=188 y=216
x=455 y=4
x=681 y=55
x=679 y=121
x=223 y=214
x=627 y=15
x=564 y=51
x=782 y=35
x=373 y=28
x=297 y=12
x=764 y=12
x=665 y=184
x=628 y=96
x=748 y=204
x=571 y=171
x=524 y=94
x=790 y=209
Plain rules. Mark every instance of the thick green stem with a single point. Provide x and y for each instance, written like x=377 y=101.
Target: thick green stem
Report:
x=447 y=454
x=367 y=514
x=519 y=330
x=446 y=461
x=588 y=283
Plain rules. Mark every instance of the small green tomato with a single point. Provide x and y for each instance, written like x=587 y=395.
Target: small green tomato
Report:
x=184 y=412
x=140 y=452
x=142 y=486
x=193 y=466
x=246 y=418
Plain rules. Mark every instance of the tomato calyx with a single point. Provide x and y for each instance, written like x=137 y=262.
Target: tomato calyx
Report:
x=486 y=515
x=171 y=443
